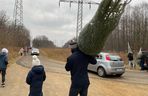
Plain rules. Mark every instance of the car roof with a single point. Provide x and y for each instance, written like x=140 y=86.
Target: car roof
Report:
x=105 y=53
x=34 y=48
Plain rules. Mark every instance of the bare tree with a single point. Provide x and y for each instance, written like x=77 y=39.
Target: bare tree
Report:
x=133 y=28
x=11 y=37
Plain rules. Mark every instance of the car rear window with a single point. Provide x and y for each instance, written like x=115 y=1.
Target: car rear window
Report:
x=114 y=58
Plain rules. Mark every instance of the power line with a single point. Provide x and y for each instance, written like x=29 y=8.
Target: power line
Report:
x=79 y=12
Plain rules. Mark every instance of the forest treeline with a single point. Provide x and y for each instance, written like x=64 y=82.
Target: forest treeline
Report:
x=43 y=42
x=12 y=36
x=133 y=28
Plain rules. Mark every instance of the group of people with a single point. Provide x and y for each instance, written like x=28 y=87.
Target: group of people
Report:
x=141 y=59
x=76 y=63
x=24 y=51
x=35 y=77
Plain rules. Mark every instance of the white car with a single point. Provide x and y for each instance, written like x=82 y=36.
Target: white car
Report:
x=108 y=64
x=35 y=51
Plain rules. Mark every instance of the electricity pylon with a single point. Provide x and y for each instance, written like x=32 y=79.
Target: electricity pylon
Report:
x=18 y=14
x=79 y=12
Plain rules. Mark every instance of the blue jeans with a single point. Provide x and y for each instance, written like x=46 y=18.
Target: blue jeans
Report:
x=75 y=91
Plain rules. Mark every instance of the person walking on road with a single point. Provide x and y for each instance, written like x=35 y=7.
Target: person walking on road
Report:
x=3 y=64
x=130 y=60
x=36 y=77
x=21 y=52
x=77 y=64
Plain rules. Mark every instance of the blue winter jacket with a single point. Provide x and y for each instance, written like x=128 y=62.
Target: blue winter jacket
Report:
x=3 y=60
x=77 y=64
x=35 y=79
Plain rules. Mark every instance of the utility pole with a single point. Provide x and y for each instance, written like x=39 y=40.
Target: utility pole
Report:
x=18 y=15
x=79 y=12
x=18 y=22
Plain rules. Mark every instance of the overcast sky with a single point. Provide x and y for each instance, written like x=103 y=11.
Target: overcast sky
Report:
x=45 y=17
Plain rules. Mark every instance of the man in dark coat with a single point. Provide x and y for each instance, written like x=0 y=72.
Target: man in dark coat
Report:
x=130 y=59
x=77 y=64
x=3 y=64
x=35 y=78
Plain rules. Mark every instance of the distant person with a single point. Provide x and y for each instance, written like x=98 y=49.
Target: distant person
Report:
x=25 y=51
x=36 y=77
x=21 y=52
x=130 y=60
x=28 y=49
x=77 y=64
x=3 y=64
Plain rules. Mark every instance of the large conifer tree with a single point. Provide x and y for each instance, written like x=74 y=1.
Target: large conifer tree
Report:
x=93 y=36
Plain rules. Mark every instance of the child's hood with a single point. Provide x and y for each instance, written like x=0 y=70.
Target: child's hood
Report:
x=38 y=69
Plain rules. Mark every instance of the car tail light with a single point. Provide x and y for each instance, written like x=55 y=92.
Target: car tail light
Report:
x=121 y=59
x=108 y=58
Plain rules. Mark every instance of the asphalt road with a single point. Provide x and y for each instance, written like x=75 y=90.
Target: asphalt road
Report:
x=130 y=76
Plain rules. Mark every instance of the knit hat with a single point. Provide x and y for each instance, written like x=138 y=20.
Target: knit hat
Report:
x=4 y=50
x=35 y=61
x=73 y=44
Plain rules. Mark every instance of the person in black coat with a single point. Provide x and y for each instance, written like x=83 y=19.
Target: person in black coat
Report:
x=130 y=60
x=36 y=77
x=77 y=64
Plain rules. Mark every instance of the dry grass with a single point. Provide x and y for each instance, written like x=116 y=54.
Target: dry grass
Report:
x=62 y=53
x=13 y=52
x=59 y=54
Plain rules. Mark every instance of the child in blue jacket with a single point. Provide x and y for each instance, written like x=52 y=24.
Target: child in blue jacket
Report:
x=3 y=64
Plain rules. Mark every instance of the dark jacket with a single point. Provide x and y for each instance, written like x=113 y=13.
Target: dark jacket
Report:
x=130 y=56
x=77 y=64
x=3 y=61
x=144 y=60
x=35 y=79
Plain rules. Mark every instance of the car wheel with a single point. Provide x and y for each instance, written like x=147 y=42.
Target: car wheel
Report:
x=118 y=75
x=101 y=72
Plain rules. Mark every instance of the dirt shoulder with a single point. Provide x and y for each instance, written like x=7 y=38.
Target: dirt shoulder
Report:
x=57 y=84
